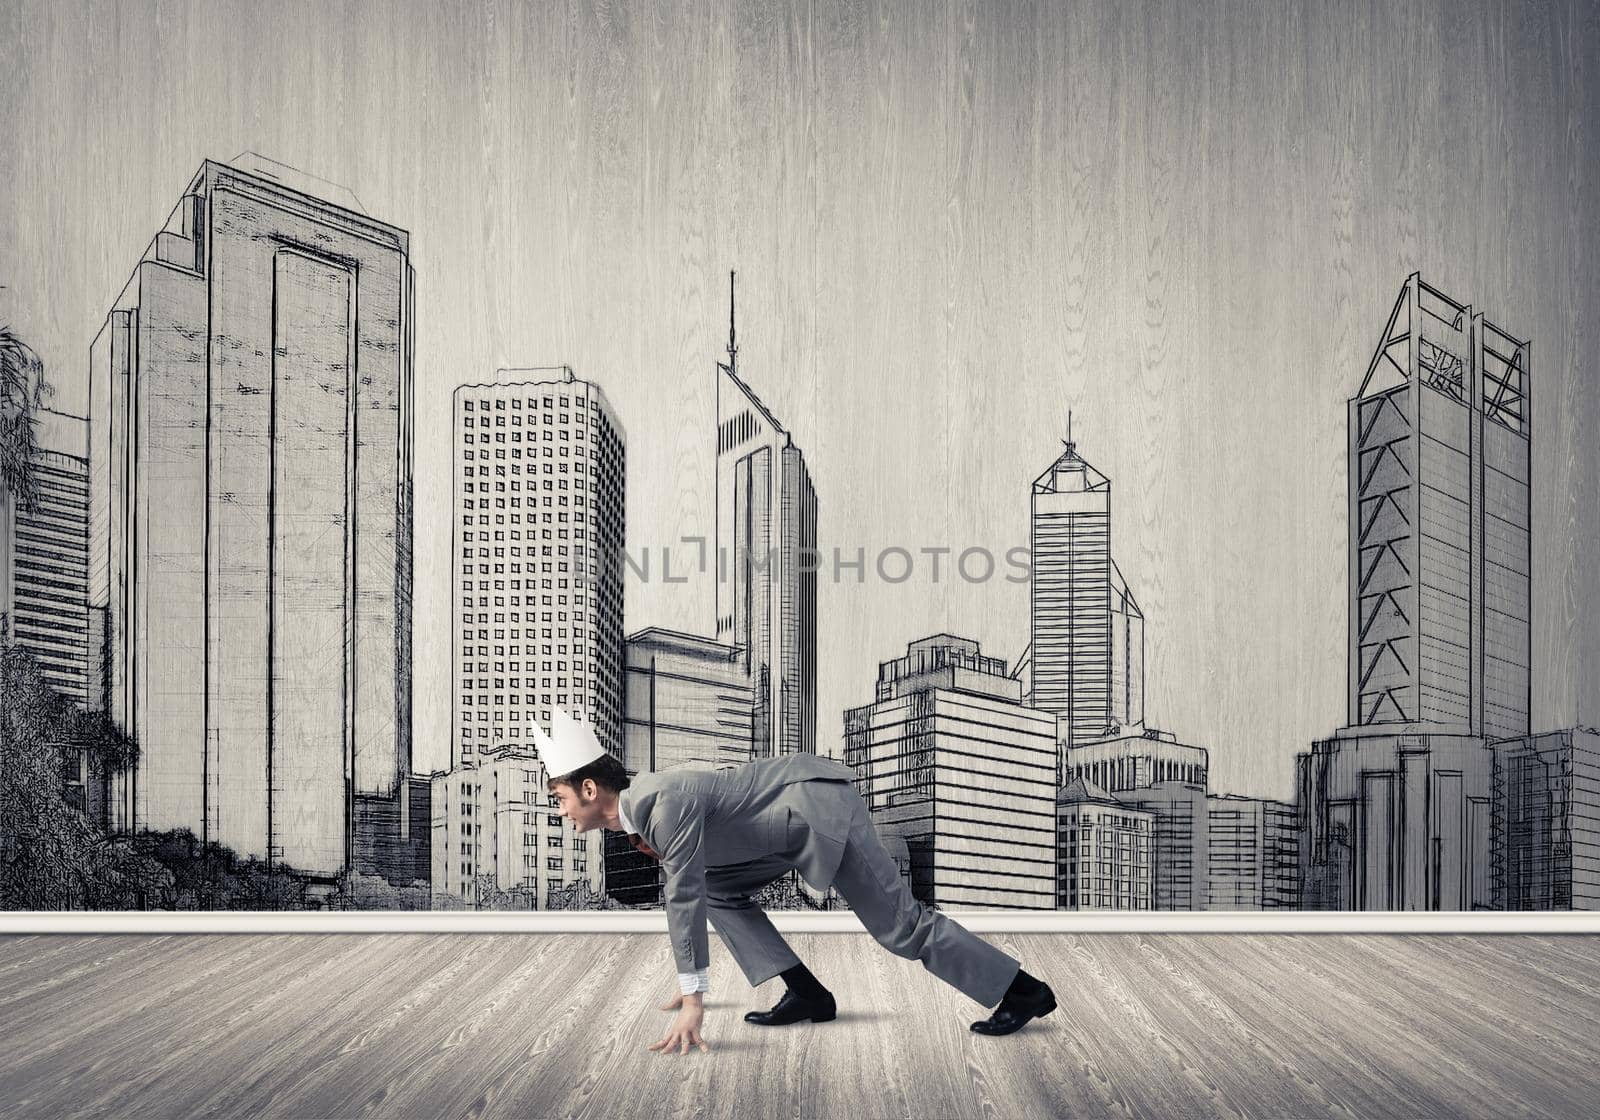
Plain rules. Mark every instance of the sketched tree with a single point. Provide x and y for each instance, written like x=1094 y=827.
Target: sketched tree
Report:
x=51 y=856
x=207 y=875
x=578 y=895
x=22 y=389
x=358 y=891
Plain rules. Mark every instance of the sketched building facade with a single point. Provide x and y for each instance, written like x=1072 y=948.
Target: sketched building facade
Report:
x=1104 y=850
x=497 y=830
x=44 y=556
x=950 y=759
x=250 y=516
x=1130 y=762
x=394 y=834
x=1181 y=865
x=1251 y=856
x=687 y=701
x=1440 y=546
x=1396 y=805
x=1085 y=659
x=766 y=536
x=1546 y=821
x=1394 y=822
x=539 y=468
x=1153 y=771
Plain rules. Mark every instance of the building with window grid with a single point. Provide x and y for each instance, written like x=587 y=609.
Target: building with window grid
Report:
x=537 y=575
x=949 y=759
x=1253 y=857
x=1104 y=850
x=1153 y=771
x=498 y=836
x=688 y=702
x=1439 y=537
x=44 y=555
x=1396 y=806
x=1130 y=762
x=1546 y=821
x=249 y=586
x=1085 y=658
x=1182 y=843
x=766 y=539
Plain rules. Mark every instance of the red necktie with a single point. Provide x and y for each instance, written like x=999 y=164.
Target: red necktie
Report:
x=637 y=842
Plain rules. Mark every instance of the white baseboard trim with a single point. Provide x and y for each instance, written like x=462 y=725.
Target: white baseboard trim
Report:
x=792 y=921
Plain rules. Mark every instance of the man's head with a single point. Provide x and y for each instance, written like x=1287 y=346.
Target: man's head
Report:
x=588 y=795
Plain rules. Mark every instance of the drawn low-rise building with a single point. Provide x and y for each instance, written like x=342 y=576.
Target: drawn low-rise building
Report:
x=1252 y=856
x=1545 y=821
x=1395 y=822
x=1181 y=861
x=1129 y=762
x=687 y=701
x=1153 y=771
x=498 y=839
x=1105 y=851
x=949 y=759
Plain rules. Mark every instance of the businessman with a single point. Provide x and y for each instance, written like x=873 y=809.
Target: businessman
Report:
x=722 y=835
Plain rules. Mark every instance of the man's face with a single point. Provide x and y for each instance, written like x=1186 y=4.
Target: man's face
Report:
x=581 y=807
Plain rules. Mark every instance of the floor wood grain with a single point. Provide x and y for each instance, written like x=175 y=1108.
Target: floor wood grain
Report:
x=557 y=1025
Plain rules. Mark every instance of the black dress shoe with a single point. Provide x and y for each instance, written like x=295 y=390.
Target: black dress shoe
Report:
x=1014 y=1011
x=794 y=1009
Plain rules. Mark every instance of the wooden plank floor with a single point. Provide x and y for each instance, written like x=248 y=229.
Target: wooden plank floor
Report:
x=488 y=1025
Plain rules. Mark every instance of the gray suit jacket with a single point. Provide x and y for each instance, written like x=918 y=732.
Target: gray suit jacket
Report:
x=701 y=818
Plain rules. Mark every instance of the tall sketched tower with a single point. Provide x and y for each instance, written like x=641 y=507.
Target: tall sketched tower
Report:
x=1086 y=650
x=1440 y=545
x=766 y=529
x=1396 y=805
x=541 y=461
x=250 y=516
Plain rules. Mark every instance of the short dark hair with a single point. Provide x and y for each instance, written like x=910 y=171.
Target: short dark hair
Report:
x=604 y=771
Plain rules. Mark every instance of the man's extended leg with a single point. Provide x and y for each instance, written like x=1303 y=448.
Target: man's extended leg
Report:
x=870 y=882
x=755 y=943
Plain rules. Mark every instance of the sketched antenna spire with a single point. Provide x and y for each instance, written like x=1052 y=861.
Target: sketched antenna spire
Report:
x=733 y=345
x=1072 y=448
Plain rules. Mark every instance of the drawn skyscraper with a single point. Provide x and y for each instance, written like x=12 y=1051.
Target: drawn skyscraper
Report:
x=1396 y=806
x=250 y=537
x=43 y=556
x=1086 y=649
x=1440 y=546
x=539 y=501
x=766 y=534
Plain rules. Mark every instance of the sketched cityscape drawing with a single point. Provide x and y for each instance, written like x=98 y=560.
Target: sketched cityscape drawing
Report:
x=212 y=571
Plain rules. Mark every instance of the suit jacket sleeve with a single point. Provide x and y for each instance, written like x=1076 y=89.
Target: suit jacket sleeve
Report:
x=683 y=863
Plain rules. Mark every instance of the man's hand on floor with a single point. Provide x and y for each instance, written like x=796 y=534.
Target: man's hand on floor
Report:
x=685 y=1029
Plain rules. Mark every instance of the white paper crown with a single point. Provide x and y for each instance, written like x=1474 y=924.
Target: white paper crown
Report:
x=571 y=744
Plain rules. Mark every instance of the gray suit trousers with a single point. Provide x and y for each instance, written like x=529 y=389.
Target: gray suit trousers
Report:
x=870 y=883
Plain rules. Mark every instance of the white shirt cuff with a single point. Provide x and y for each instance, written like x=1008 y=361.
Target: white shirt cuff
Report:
x=697 y=981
